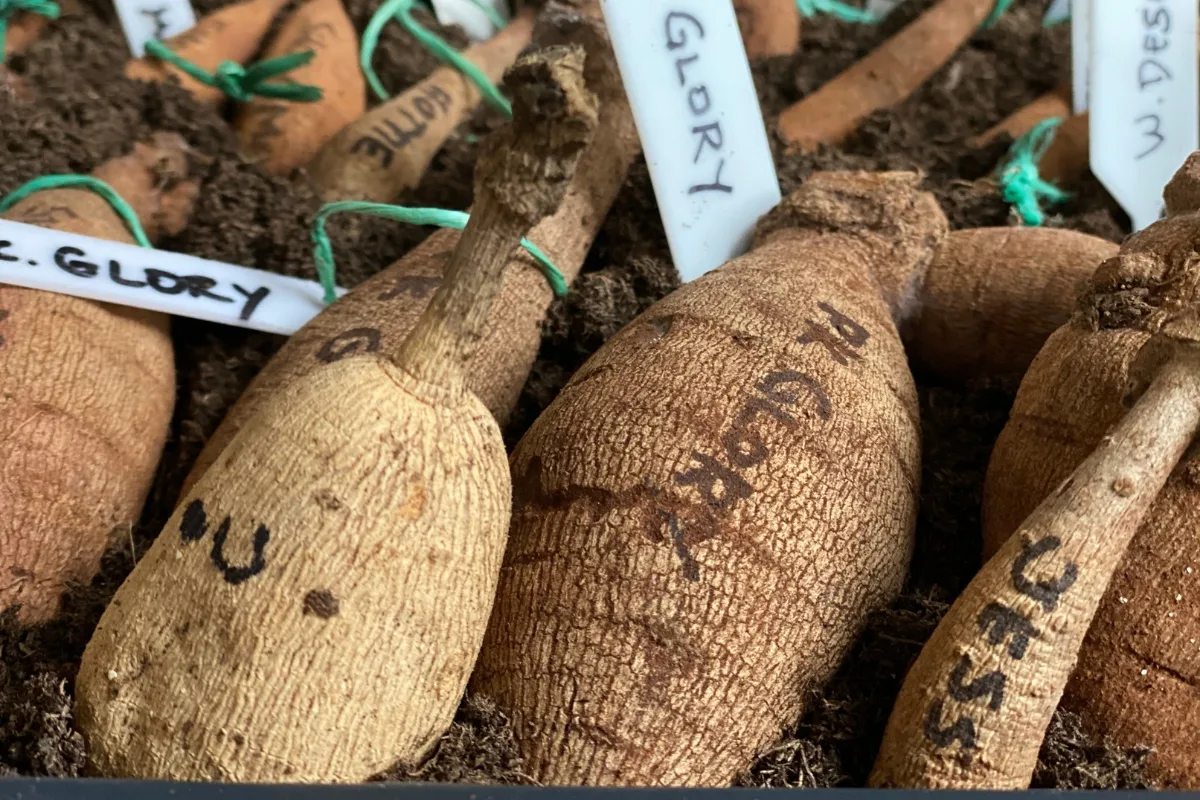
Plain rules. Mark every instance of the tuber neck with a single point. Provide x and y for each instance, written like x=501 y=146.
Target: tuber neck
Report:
x=448 y=332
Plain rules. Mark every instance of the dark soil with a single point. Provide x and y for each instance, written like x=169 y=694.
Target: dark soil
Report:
x=85 y=112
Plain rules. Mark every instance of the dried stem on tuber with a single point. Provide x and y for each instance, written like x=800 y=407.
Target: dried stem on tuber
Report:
x=388 y=149
x=314 y=607
x=377 y=315
x=282 y=135
x=86 y=391
x=975 y=706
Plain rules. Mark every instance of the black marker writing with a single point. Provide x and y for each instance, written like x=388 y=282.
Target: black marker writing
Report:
x=1156 y=24
x=347 y=343
x=679 y=28
x=193 y=526
x=157 y=17
x=402 y=126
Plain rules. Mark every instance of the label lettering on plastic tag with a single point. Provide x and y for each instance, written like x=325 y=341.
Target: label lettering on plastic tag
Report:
x=153 y=19
x=1059 y=11
x=469 y=17
x=881 y=8
x=156 y=280
x=685 y=71
x=1081 y=54
x=1144 y=116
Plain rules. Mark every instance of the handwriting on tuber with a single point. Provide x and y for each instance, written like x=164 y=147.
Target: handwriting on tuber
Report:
x=718 y=478
x=404 y=125
x=193 y=526
x=1007 y=630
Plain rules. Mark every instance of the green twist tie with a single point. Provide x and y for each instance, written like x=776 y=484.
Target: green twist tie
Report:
x=242 y=83
x=443 y=218
x=1023 y=186
x=402 y=11
x=1001 y=7
x=843 y=11
x=7 y=7
x=98 y=186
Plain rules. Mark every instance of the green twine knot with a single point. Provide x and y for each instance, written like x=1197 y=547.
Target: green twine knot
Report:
x=843 y=11
x=45 y=8
x=402 y=11
x=1022 y=186
x=997 y=12
x=242 y=83
x=98 y=186
x=443 y=218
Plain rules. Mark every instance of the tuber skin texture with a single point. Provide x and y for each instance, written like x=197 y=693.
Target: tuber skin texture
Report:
x=975 y=706
x=695 y=513
x=282 y=135
x=378 y=314
x=768 y=27
x=86 y=391
x=885 y=77
x=1066 y=159
x=388 y=149
x=233 y=33
x=992 y=297
x=1137 y=669
x=1055 y=103
x=357 y=522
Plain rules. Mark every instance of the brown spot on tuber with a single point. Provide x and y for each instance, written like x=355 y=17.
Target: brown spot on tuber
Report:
x=1124 y=487
x=326 y=499
x=321 y=603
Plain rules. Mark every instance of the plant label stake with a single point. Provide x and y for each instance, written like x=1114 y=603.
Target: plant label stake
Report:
x=697 y=114
x=469 y=16
x=153 y=19
x=881 y=8
x=1081 y=53
x=1144 y=110
x=157 y=280
x=1059 y=11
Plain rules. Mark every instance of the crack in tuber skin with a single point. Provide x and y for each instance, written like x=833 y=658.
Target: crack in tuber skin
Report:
x=975 y=706
x=357 y=524
x=378 y=314
x=86 y=391
x=232 y=33
x=1126 y=684
x=388 y=149
x=282 y=135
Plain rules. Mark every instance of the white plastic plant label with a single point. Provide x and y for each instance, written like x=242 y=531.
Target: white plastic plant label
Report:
x=173 y=283
x=1144 y=112
x=467 y=15
x=881 y=8
x=1059 y=11
x=685 y=71
x=153 y=19
x=1081 y=54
